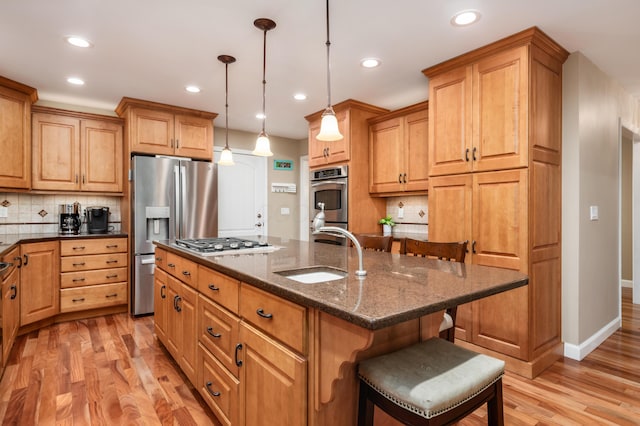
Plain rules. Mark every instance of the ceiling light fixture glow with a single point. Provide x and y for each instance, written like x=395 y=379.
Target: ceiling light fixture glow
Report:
x=78 y=41
x=465 y=17
x=226 y=156
x=192 y=89
x=75 y=81
x=370 y=62
x=329 y=130
x=300 y=97
x=263 y=146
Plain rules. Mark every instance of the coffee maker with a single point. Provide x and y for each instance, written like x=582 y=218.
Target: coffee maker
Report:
x=70 y=221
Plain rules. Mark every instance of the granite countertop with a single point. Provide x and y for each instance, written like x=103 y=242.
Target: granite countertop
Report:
x=397 y=288
x=8 y=241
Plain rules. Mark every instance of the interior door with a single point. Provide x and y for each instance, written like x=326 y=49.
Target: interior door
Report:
x=242 y=196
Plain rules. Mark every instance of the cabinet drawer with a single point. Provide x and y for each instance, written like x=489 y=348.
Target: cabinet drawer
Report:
x=85 y=278
x=280 y=318
x=183 y=269
x=161 y=258
x=98 y=296
x=93 y=246
x=98 y=261
x=219 y=288
x=218 y=388
x=218 y=332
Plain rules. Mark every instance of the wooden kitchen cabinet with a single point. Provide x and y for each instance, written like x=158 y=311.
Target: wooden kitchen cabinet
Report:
x=398 y=151
x=76 y=151
x=15 y=133
x=93 y=273
x=154 y=128
x=500 y=107
x=10 y=318
x=160 y=304
x=39 y=281
x=182 y=332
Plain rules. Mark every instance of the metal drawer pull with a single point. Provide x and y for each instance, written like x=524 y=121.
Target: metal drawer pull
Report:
x=79 y=264
x=19 y=259
x=213 y=393
x=238 y=361
x=163 y=293
x=171 y=265
x=78 y=300
x=213 y=287
x=112 y=261
x=111 y=276
x=158 y=259
x=112 y=246
x=75 y=280
x=212 y=334
x=14 y=292
x=186 y=273
x=79 y=248
x=108 y=296
x=260 y=312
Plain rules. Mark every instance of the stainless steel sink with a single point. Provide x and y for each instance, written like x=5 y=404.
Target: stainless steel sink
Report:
x=314 y=274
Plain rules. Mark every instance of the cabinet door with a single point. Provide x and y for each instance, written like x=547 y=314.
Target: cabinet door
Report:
x=40 y=277
x=500 y=99
x=450 y=122
x=188 y=312
x=416 y=151
x=321 y=152
x=160 y=304
x=218 y=332
x=15 y=139
x=10 y=313
x=174 y=327
x=386 y=156
x=152 y=132
x=273 y=382
x=101 y=156
x=194 y=137
x=56 y=152
x=317 y=149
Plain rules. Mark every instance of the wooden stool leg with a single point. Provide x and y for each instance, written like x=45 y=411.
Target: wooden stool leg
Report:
x=495 y=412
x=365 y=407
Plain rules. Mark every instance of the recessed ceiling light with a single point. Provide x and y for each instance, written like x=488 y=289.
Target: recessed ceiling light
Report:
x=300 y=97
x=260 y=116
x=78 y=41
x=465 y=17
x=370 y=62
x=192 y=89
x=75 y=81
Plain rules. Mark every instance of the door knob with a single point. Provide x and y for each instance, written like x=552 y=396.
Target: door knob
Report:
x=259 y=224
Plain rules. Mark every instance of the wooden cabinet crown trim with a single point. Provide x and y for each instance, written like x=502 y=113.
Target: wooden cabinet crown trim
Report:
x=531 y=35
x=76 y=114
x=349 y=103
x=126 y=103
x=421 y=106
x=19 y=87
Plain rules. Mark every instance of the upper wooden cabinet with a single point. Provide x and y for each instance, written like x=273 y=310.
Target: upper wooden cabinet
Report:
x=15 y=133
x=75 y=151
x=484 y=106
x=398 y=151
x=350 y=115
x=154 y=128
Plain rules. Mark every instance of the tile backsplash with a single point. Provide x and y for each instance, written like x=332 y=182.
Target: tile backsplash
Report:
x=416 y=213
x=31 y=213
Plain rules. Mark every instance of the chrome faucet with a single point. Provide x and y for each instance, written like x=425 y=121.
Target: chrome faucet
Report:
x=319 y=228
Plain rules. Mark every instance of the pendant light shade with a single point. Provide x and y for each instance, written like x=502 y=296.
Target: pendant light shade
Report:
x=226 y=157
x=263 y=146
x=329 y=130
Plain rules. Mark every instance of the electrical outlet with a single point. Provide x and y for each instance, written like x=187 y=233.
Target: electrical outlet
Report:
x=4 y=211
x=400 y=213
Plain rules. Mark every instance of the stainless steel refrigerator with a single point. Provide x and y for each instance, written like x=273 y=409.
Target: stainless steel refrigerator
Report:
x=172 y=198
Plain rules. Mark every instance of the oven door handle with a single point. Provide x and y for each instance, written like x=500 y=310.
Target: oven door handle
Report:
x=334 y=182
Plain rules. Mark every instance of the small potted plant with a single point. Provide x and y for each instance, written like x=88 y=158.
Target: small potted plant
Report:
x=386 y=222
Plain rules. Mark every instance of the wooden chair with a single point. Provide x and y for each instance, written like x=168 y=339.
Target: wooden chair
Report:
x=377 y=243
x=433 y=382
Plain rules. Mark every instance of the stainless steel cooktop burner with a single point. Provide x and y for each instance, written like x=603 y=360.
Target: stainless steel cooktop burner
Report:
x=208 y=245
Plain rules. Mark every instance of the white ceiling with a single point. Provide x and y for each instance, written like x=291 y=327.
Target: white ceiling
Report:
x=152 y=49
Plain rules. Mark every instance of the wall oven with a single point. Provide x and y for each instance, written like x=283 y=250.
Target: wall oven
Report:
x=330 y=186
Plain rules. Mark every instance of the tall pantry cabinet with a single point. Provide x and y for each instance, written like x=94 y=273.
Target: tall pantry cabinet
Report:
x=495 y=180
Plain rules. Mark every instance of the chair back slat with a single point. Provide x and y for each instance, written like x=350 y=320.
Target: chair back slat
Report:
x=376 y=243
x=452 y=251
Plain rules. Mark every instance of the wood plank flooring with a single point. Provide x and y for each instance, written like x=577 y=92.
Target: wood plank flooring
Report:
x=112 y=371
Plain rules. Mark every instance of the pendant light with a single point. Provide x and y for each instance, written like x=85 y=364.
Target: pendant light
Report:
x=329 y=126
x=262 y=144
x=226 y=157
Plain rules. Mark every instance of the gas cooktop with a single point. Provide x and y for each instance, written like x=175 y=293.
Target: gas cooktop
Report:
x=211 y=245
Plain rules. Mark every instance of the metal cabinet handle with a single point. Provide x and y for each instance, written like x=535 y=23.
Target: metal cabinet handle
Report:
x=76 y=280
x=81 y=299
x=79 y=248
x=178 y=299
x=14 y=292
x=112 y=261
x=83 y=179
x=404 y=178
x=76 y=178
x=111 y=276
x=260 y=312
x=238 y=361
x=473 y=247
x=109 y=296
x=19 y=259
x=171 y=265
x=212 y=334
x=213 y=287
x=172 y=143
x=158 y=259
x=175 y=302
x=76 y=264
x=26 y=260
x=112 y=246
x=474 y=153
x=186 y=273
x=213 y=393
x=163 y=293
x=400 y=178
x=466 y=154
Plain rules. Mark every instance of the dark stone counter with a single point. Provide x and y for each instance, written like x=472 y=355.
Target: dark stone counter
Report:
x=397 y=288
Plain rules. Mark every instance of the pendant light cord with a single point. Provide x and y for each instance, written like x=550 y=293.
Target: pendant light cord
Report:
x=226 y=105
x=264 y=79
x=328 y=62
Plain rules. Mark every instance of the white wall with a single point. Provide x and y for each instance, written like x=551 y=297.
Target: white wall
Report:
x=593 y=104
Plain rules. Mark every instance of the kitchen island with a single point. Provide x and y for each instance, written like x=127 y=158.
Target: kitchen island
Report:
x=286 y=350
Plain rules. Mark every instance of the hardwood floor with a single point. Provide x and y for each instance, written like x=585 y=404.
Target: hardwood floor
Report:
x=112 y=371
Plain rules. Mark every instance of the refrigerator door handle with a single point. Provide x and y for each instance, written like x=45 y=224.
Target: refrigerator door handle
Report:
x=183 y=201
x=178 y=220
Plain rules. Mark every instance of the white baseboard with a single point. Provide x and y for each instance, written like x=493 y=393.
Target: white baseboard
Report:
x=578 y=352
x=626 y=283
